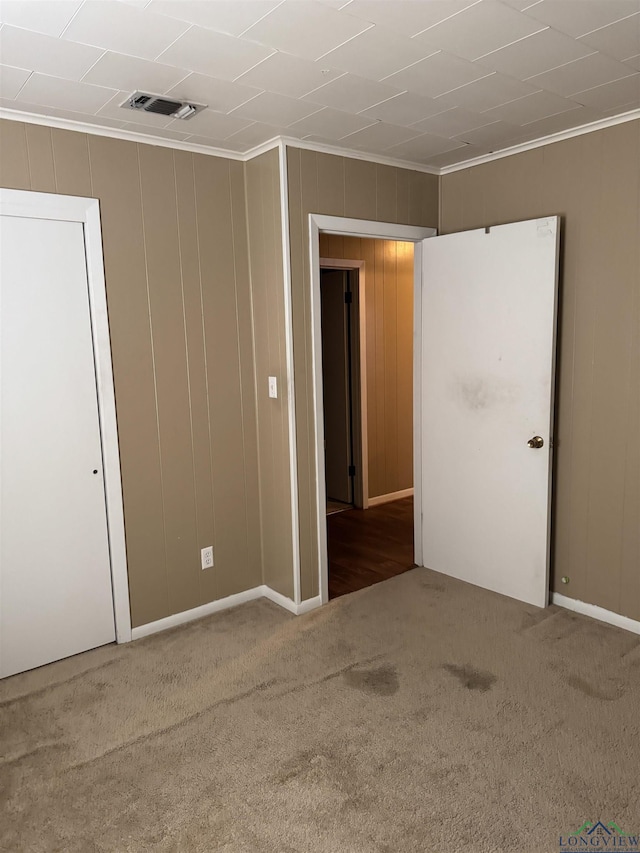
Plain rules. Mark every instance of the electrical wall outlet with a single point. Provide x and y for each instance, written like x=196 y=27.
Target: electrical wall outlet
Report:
x=206 y=557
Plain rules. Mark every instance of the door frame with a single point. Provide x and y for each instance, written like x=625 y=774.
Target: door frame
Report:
x=361 y=444
x=86 y=211
x=347 y=227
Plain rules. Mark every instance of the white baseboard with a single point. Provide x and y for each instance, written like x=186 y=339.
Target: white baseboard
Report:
x=288 y=604
x=196 y=613
x=392 y=496
x=596 y=612
x=224 y=604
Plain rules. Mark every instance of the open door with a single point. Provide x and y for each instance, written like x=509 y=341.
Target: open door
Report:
x=488 y=361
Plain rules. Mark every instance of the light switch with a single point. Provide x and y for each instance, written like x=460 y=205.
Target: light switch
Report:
x=273 y=387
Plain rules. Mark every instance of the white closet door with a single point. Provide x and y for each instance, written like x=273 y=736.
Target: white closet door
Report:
x=488 y=347
x=55 y=581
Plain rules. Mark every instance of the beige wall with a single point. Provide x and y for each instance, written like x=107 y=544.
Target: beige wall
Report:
x=593 y=181
x=176 y=264
x=183 y=326
x=337 y=186
x=388 y=276
x=267 y=284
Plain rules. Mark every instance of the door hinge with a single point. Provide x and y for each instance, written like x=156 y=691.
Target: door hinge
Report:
x=348 y=297
x=352 y=470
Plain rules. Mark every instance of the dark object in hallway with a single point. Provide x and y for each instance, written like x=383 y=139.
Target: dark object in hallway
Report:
x=368 y=546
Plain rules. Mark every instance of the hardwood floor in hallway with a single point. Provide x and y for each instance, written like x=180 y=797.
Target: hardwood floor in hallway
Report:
x=369 y=546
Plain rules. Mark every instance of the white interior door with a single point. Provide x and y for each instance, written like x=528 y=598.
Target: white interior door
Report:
x=488 y=344
x=55 y=581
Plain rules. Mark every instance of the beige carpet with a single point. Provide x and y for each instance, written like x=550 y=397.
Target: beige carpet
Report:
x=417 y=715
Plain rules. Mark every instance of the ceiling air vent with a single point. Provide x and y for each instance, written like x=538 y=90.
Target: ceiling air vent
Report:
x=143 y=102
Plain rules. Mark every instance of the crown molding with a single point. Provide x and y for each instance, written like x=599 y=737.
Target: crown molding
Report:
x=243 y=157
x=359 y=155
x=117 y=133
x=590 y=127
x=263 y=148
x=149 y=139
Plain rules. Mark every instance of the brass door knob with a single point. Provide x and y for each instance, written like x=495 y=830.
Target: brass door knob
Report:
x=536 y=442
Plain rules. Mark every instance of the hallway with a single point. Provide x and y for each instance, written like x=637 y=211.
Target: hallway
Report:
x=369 y=546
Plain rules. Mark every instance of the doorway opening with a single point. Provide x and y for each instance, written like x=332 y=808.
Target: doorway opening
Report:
x=366 y=307
x=484 y=332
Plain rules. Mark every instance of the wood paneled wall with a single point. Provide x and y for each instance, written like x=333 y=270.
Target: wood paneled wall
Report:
x=337 y=186
x=176 y=264
x=388 y=276
x=593 y=182
x=267 y=284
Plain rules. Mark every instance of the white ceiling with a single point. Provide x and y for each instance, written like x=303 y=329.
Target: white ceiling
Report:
x=431 y=82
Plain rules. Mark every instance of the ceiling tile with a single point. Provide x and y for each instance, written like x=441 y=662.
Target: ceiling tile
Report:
x=207 y=142
x=321 y=140
x=479 y=29
x=458 y=155
x=12 y=80
x=377 y=53
x=494 y=134
x=220 y=95
x=98 y=121
x=452 y=122
x=275 y=109
x=520 y=5
x=45 y=54
x=42 y=16
x=632 y=106
x=162 y=132
x=123 y=28
x=406 y=109
x=534 y=107
x=65 y=94
x=437 y=75
x=379 y=136
x=225 y=16
x=211 y=124
x=212 y=53
x=113 y=109
x=352 y=94
x=535 y=54
x=73 y=115
x=611 y=95
x=555 y=124
x=594 y=70
x=489 y=92
x=289 y=75
x=129 y=72
x=256 y=134
x=577 y=18
x=23 y=106
x=620 y=40
x=331 y=124
x=406 y=17
x=308 y=30
x=420 y=149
